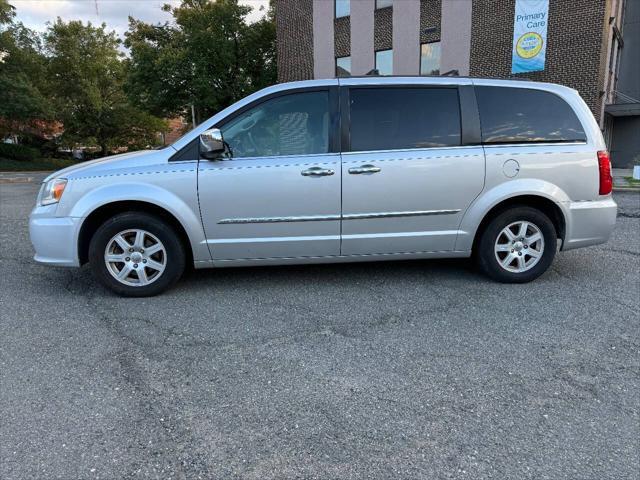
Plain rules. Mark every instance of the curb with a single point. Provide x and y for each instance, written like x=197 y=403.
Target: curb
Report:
x=16 y=180
x=25 y=172
x=626 y=189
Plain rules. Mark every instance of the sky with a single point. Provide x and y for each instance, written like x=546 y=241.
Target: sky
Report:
x=36 y=13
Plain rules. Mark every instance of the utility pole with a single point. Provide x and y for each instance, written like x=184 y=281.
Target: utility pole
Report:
x=193 y=116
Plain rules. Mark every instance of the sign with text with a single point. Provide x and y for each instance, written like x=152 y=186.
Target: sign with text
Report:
x=529 y=35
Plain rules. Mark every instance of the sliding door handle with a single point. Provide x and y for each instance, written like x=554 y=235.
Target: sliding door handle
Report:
x=364 y=169
x=317 y=172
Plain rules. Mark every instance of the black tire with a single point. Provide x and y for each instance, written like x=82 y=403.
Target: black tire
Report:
x=486 y=254
x=175 y=254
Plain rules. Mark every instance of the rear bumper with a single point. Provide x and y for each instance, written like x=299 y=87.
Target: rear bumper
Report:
x=54 y=238
x=589 y=223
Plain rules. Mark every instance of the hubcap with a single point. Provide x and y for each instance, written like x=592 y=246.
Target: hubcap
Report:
x=135 y=257
x=519 y=246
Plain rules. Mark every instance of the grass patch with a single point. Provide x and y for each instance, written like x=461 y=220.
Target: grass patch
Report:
x=9 y=165
x=632 y=181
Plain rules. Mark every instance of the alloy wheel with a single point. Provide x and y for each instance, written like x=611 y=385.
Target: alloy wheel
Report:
x=519 y=246
x=135 y=257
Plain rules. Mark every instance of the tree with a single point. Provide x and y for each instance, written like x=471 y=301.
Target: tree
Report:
x=209 y=59
x=22 y=74
x=87 y=73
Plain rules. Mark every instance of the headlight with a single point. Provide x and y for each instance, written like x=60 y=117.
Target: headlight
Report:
x=52 y=191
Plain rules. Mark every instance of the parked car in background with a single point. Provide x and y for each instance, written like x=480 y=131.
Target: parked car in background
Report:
x=343 y=170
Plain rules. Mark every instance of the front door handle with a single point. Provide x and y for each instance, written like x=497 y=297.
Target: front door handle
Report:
x=317 y=172
x=364 y=169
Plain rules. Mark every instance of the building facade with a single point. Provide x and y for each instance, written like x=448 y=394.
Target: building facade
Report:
x=585 y=48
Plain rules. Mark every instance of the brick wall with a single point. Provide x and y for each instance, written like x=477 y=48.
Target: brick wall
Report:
x=177 y=127
x=294 y=39
x=342 y=36
x=574 y=52
x=383 y=29
x=430 y=16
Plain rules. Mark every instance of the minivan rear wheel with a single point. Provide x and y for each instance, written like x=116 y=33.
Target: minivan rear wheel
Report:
x=517 y=246
x=136 y=254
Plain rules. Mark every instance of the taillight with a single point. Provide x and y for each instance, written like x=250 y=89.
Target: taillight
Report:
x=604 y=165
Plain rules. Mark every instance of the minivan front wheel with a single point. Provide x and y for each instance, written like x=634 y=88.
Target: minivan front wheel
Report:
x=517 y=246
x=136 y=255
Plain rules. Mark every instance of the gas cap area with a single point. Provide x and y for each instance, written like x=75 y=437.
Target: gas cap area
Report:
x=510 y=168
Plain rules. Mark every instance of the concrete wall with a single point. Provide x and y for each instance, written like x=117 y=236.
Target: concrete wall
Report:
x=323 y=37
x=362 y=22
x=455 y=36
x=406 y=37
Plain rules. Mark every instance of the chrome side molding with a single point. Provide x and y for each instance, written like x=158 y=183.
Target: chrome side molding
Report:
x=359 y=216
x=325 y=218
x=309 y=218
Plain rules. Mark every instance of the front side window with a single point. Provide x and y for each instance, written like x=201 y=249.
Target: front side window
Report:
x=383 y=4
x=343 y=66
x=343 y=8
x=384 y=62
x=430 y=58
x=398 y=118
x=521 y=115
x=293 y=124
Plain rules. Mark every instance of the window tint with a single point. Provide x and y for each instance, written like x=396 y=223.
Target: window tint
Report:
x=520 y=115
x=384 y=62
x=393 y=118
x=343 y=66
x=383 y=4
x=295 y=124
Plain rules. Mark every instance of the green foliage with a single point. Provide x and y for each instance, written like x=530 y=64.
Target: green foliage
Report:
x=76 y=74
x=209 y=58
x=40 y=164
x=87 y=72
x=22 y=74
x=18 y=152
x=7 y=12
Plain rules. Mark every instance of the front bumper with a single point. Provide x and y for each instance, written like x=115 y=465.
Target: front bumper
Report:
x=55 y=239
x=590 y=223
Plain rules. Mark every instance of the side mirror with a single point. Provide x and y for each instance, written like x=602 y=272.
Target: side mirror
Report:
x=212 y=145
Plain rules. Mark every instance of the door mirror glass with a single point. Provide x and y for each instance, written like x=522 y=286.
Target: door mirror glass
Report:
x=212 y=144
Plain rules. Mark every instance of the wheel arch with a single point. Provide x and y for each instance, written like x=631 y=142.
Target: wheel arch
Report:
x=547 y=206
x=102 y=213
x=536 y=193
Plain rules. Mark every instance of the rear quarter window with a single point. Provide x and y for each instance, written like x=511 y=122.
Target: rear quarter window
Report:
x=521 y=115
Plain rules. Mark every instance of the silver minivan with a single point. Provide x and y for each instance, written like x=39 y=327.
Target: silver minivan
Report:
x=343 y=170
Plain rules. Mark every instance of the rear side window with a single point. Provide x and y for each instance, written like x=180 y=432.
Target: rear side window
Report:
x=397 y=118
x=520 y=115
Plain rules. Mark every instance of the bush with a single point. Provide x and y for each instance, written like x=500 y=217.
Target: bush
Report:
x=18 y=152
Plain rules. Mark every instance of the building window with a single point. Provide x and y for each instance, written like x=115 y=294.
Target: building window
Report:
x=343 y=8
x=383 y=4
x=384 y=62
x=343 y=66
x=430 y=58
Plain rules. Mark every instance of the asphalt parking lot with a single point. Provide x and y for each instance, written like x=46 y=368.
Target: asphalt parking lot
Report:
x=419 y=369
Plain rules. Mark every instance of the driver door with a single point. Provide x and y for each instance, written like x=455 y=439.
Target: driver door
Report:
x=276 y=193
